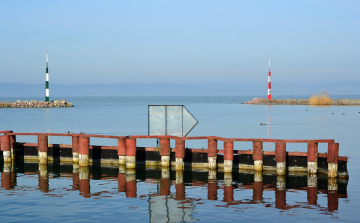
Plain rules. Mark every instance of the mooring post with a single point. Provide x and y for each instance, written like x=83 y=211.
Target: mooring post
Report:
x=212 y=153
x=164 y=149
x=332 y=159
x=43 y=149
x=228 y=155
x=13 y=146
x=258 y=155
x=228 y=165
x=121 y=151
x=5 y=147
x=280 y=158
x=130 y=152
x=312 y=157
x=179 y=154
x=84 y=143
x=75 y=149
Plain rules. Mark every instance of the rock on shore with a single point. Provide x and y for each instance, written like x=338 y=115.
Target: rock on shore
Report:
x=36 y=104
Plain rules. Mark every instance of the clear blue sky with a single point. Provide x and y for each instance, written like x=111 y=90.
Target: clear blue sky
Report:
x=179 y=41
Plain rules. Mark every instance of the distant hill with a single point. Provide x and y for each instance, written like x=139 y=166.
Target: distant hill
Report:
x=171 y=89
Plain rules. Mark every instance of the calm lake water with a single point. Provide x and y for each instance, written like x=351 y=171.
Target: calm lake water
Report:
x=60 y=192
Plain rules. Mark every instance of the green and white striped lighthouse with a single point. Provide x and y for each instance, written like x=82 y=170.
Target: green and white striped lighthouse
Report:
x=47 y=79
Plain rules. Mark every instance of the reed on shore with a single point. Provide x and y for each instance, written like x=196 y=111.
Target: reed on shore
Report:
x=320 y=99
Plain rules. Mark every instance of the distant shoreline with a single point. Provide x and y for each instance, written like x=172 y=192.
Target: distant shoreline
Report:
x=36 y=104
x=262 y=101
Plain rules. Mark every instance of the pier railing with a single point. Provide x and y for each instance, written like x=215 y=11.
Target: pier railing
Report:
x=257 y=159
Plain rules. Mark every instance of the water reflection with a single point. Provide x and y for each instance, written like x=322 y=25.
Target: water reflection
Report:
x=43 y=178
x=174 y=199
x=8 y=177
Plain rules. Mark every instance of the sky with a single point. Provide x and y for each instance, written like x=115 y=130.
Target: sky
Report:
x=185 y=42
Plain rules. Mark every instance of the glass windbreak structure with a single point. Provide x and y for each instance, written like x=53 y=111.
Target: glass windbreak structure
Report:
x=174 y=120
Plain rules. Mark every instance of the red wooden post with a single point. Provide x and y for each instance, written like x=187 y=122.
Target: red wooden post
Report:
x=312 y=157
x=84 y=143
x=280 y=158
x=164 y=148
x=179 y=154
x=5 y=147
x=332 y=159
x=121 y=151
x=212 y=153
x=258 y=155
x=228 y=155
x=13 y=146
x=130 y=152
x=42 y=148
x=75 y=148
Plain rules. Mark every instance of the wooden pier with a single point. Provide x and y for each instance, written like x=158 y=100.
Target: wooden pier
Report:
x=224 y=159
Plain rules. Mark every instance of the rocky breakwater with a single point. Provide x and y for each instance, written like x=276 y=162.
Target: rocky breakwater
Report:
x=36 y=104
x=262 y=101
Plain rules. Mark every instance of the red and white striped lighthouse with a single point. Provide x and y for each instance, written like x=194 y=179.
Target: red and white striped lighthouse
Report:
x=269 y=82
